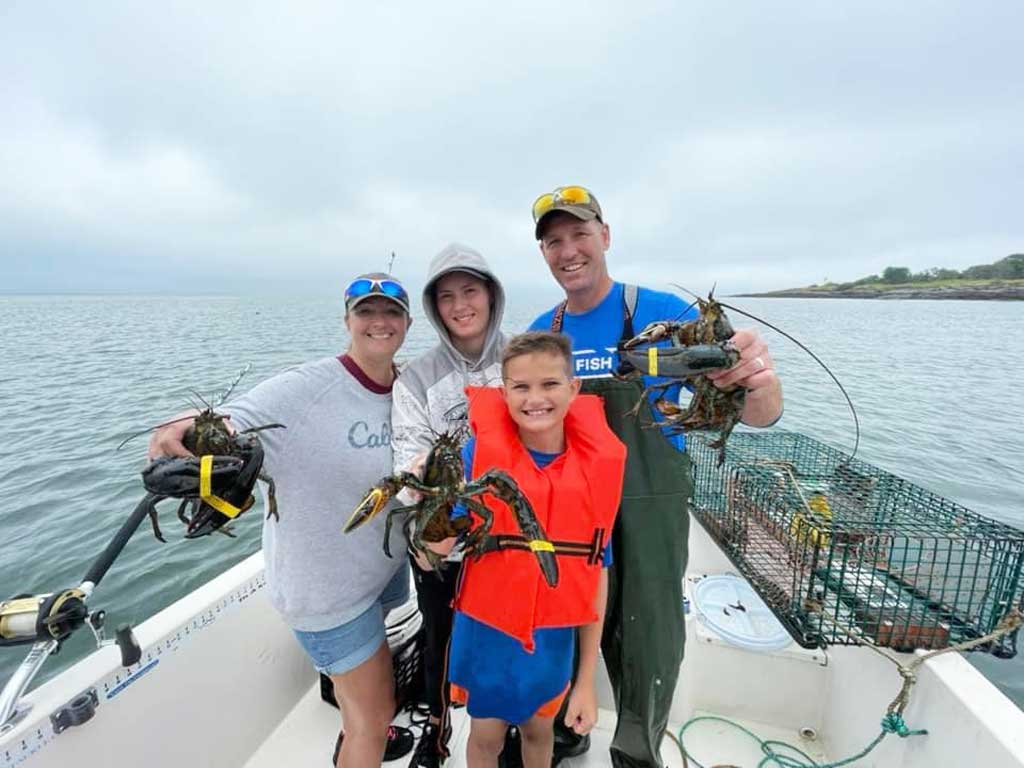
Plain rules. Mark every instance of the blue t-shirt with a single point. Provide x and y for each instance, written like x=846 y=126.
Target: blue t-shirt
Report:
x=595 y=334
x=503 y=680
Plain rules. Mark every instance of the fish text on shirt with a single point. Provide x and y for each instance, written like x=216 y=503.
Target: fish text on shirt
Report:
x=592 y=362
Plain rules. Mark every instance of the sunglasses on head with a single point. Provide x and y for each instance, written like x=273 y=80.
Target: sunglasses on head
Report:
x=561 y=196
x=365 y=285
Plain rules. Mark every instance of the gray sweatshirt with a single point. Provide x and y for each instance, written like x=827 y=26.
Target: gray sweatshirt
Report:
x=429 y=393
x=336 y=445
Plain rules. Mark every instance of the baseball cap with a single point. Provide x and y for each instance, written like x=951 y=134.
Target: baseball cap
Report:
x=576 y=200
x=375 y=284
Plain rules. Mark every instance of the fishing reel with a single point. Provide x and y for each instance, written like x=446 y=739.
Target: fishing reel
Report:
x=35 y=618
x=53 y=617
x=216 y=488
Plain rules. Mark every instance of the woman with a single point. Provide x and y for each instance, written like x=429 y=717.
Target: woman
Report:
x=464 y=302
x=333 y=590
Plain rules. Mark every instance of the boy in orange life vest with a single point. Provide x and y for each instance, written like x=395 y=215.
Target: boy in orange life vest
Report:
x=511 y=649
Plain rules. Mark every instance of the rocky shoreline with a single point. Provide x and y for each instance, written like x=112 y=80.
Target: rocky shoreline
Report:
x=995 y=291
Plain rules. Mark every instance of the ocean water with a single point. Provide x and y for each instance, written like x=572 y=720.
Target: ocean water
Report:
x=935 y=384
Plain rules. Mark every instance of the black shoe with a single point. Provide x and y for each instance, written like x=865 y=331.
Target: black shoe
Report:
x=398 y=745
x=569 y=747
x=428 y=752
x=512 y=753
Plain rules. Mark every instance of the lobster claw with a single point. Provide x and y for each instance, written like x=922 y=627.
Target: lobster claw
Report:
x=548 y=563
x=651 y=333
x=365 y=511
x=207 y=520
x=682 y=362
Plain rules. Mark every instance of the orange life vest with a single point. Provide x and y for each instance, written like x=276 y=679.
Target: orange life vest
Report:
x=575 y=498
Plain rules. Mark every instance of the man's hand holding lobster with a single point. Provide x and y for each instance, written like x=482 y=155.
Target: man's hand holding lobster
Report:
x=755 y=372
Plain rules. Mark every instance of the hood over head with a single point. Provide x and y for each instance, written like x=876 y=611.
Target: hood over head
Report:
x=456 y=257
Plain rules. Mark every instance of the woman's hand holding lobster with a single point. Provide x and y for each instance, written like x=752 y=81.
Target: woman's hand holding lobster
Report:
x=167 y=440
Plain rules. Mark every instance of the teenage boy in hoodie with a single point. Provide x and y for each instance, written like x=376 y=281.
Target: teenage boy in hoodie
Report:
x=464 y=301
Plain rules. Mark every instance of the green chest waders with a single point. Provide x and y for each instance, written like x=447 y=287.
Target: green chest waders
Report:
x=644 y=629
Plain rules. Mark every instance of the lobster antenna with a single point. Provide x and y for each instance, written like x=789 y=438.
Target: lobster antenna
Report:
x=696 y=300
x=234 y=384
x=151 y=429
x=687 y=290
x=469 y=402
x=688 y=307
x=818 y=360
x=202 y=400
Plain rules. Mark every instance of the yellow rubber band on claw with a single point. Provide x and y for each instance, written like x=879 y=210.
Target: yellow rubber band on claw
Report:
x=377 y=499
x=206 y=489
x=539 y=545
x=652 y=361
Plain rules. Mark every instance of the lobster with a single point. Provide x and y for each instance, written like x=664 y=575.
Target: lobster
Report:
x=215 y=483
x=696 y=348
x=442 y=488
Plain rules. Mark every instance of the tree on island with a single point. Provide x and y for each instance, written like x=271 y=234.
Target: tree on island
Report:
x=1012 y=267
x=1009 y=268
x=896 y=275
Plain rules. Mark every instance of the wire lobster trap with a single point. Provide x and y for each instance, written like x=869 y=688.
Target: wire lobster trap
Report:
x=844 y=552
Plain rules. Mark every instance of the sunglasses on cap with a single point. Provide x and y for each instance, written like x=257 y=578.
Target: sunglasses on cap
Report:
x=561 y=196
x=363 y=286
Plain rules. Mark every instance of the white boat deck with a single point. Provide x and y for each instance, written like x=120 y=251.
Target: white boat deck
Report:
x=222 y=684
x=307 y=737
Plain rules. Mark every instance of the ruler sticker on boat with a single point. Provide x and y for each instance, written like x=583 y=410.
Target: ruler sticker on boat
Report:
x=172 y=642
x=27 y=744
x=25 y=747
x=118 y=687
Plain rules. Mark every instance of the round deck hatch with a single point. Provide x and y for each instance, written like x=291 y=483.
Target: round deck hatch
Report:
x=730 y=607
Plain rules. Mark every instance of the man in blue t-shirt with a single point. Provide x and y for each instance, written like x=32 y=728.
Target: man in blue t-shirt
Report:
x=645 y=579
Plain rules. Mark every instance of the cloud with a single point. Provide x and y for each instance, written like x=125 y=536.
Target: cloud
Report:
x=256 y=147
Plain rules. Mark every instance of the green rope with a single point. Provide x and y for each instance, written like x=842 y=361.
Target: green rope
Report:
x=892 y=723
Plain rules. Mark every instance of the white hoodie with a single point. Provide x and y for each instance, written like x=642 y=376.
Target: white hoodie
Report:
x=428 y=396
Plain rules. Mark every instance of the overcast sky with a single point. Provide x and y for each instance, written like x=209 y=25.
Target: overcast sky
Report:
x=258 y=147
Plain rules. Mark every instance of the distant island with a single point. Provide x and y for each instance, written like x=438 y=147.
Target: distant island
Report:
x=1002 y=280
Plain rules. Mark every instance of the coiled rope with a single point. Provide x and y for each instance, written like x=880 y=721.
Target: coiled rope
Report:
x=892 y=722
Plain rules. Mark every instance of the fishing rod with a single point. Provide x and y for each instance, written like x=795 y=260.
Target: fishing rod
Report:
x=45 y=621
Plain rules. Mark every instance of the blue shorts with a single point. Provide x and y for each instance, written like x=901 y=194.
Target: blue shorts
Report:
x=343 y=648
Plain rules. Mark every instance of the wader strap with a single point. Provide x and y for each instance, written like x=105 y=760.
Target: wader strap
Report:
x=558 y=317
x=629 y=298
x=592 y=550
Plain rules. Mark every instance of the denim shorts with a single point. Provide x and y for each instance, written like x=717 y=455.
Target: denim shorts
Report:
x=343 y=648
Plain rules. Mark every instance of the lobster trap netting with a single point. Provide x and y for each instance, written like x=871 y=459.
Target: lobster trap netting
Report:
x=844 y=552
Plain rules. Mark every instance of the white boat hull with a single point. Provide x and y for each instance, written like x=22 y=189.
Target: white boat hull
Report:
x=222 y=682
